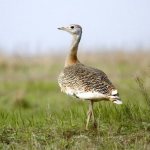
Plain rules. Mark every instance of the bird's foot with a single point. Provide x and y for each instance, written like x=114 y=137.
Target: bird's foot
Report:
x=95 y=125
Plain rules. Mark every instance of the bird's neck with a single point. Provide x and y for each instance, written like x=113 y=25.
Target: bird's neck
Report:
x=72 y=57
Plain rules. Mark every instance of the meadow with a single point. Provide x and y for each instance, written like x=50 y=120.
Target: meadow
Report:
x=34 y=114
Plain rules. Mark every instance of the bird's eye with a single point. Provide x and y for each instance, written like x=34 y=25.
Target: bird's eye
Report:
x=72 y=27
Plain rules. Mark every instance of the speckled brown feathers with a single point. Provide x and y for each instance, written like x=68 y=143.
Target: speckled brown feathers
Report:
x=79 y=77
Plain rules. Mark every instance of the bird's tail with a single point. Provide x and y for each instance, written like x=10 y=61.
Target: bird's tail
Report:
x=114 y=97
x=117 y=101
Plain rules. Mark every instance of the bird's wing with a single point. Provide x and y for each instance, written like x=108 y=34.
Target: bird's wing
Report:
x=86 y=79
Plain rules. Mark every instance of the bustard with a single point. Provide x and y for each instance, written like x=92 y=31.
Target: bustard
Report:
x=82 y=81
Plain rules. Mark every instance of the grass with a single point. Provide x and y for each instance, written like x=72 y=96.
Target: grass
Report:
x=34 y=114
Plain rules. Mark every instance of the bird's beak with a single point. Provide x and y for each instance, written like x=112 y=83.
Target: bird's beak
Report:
x=61 y=28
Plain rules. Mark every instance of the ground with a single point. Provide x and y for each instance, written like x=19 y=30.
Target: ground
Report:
x=34 y=114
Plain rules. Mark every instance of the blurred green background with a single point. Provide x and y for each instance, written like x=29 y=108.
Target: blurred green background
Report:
x=34 y=114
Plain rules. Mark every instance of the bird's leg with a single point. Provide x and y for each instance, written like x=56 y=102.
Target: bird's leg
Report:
x=89 y=114
x=93 y=118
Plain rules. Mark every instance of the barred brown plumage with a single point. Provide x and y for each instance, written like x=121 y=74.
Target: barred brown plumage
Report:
x=82 y=78
x=82 y=81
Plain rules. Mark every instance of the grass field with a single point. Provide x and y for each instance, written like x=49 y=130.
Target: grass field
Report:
x=34 y=114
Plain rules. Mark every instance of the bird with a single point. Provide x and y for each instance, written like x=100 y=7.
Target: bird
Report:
x=84 y=82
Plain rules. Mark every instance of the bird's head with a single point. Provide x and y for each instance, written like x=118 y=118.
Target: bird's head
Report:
x=73 y=29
